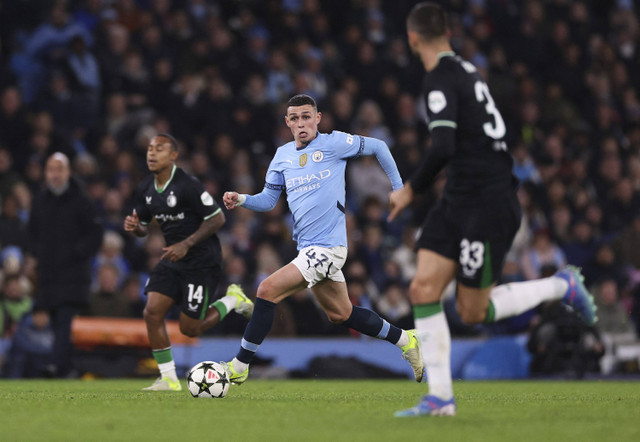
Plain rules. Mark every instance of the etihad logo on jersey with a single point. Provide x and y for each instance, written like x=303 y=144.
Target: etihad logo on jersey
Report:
x=162 y=217
x=307 y=182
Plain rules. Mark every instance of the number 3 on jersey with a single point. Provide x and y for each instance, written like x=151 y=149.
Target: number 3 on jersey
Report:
x=498 y=130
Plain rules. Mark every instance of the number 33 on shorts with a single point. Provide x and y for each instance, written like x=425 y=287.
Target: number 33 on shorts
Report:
x=471 y=256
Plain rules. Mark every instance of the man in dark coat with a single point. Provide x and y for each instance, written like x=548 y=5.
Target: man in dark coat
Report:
x=64 y=233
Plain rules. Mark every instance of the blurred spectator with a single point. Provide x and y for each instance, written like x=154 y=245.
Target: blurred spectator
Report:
x=371 y=254
x=13 y=230
x=13 y=263
x=110 y=253
x=603 y=265
x=14 y=304
x=132 y=287
x=582 y=244
x=524 y=167
x=366 y=178
x=612 y=317
x=542 y=252
x=84 y=75
x=8 y=176
x=357 y=289
x=621 y=206
x=404 y=256
x=279 y=84
x=627 y=245
x=108 y=300
x=65 y=234
x=13 y=123
x=32 y=347
x=395 y=307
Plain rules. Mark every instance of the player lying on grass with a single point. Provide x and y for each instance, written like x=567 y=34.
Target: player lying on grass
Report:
x=311 y=171
x=190 y=269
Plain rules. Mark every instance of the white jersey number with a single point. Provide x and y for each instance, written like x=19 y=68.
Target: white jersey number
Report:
x=498 y=130
x=471 y=255
x=195 y=293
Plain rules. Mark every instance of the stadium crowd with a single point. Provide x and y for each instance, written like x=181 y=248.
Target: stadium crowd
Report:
x=96 y=79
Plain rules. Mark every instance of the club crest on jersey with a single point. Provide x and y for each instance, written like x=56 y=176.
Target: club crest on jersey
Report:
x=317 y=156
x=303 y=160
x=172 y=200
x=436 y=101
x=148 y=199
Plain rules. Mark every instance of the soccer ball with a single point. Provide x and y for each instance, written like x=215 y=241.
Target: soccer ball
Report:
x=208 y=379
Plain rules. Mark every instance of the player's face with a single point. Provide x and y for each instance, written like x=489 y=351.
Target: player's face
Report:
x=160 y=156
x=303 y=122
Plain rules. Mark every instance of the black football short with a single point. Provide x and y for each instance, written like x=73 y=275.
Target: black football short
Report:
x=194 y=290
x=477 y=237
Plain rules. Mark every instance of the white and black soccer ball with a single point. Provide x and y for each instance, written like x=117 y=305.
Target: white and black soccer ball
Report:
x=208 y=379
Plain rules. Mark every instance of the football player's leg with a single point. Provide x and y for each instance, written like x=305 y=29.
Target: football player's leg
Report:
x=433 y=274
x=234 y=299
x=334 y=299
x=194 y=327
x=281 y=284
x=512 y=299
x=156 y=309
x=154 y=314
x=212 y=317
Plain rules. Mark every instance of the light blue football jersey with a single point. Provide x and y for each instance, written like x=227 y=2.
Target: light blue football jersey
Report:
x=313 y=177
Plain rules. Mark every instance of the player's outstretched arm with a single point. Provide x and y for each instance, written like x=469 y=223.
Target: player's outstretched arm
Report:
x=374 y=146
x=261 y=202
x=132 y=224
x=208 y=227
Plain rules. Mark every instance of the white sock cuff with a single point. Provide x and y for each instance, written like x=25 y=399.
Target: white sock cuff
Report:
x=168 y=369
x=229 y=302
x=404 y=339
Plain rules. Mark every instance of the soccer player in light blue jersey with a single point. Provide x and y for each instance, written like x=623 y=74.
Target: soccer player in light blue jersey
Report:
x=311 y=170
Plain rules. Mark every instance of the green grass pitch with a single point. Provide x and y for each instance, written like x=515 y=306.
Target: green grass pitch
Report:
x=332 y=411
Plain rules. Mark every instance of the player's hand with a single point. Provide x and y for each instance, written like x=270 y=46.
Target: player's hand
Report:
x=175 y=252
x=230 y=199
x=398 y=200
x=131 y=222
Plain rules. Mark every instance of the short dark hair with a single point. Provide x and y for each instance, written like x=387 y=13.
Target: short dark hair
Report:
x=172 y=141
x=429 y=20
x=302 y=100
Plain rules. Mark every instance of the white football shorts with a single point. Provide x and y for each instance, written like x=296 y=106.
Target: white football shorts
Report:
x=318 y=263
